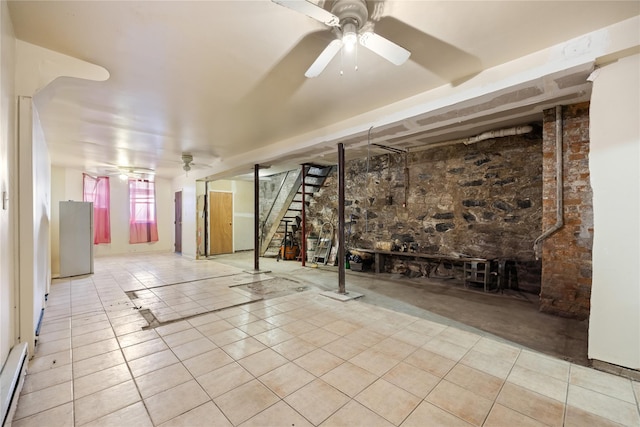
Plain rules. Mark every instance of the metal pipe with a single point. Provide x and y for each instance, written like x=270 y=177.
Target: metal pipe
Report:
x=517 y=130
x=559 y=186
x=206 y=219
x=366 y=182
x=256 y=217
x=392 y=149
x=303 y=212
x=341 y=252
x=406 y=180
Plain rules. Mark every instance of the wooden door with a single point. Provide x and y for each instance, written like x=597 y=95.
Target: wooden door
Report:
x=220 y=223
x=178 y=222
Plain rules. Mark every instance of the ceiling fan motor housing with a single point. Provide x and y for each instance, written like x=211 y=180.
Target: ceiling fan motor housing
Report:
x=351 y=11
x=187 y=159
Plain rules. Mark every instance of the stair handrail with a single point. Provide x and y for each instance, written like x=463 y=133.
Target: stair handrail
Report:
x=266 y=237
x=285 y=207
x=273 y=203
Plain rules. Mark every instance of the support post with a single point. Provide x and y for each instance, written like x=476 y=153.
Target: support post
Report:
x=256 y=217
x=206 y=219
x=303 y=243
x=341 y=251
x=256 y=222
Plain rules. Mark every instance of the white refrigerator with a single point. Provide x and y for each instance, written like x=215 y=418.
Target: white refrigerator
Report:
x=76 y=238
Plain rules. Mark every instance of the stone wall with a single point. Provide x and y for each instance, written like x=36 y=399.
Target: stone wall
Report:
x=482 y=200
x=566 y=269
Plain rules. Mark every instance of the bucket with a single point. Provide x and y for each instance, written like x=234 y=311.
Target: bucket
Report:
x=289 y=252
x=311 y=245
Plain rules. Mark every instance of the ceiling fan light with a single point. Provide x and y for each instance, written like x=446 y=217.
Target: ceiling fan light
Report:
x=349 y=35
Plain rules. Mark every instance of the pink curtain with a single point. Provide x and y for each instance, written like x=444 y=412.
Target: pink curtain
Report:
x=142 y=218
x=96 y=190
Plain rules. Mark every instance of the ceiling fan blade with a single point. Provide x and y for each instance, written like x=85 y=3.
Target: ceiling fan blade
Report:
x=324 y=58
x=386 y=48
x=311 y=10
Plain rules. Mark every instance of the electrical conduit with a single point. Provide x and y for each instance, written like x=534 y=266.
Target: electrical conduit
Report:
x=559 y=186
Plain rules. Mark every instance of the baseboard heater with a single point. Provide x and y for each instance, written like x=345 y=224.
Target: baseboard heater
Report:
x=12 y=380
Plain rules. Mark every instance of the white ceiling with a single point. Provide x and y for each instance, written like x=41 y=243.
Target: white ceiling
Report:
x=221 y=78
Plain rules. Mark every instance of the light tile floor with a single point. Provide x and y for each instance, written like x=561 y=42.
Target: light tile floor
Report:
x=297 y=360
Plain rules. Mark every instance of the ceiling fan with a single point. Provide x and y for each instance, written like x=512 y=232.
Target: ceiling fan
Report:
x=127 y=172
x=188 y=163
x=349 y=20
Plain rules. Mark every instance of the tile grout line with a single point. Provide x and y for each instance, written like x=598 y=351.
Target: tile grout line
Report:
x=456 y=364
x=115 y=335
x=635 y=394
x=502 y=387
x=85 y=301
x=73 y=383
x=566 y=398
x=193 y=378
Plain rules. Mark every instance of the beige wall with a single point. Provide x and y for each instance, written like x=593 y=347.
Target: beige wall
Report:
x=243 y=215
x=614 y=325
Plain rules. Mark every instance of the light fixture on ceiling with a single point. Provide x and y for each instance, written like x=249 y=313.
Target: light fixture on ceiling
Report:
x=349 y=35
x=350 y=22
x=187 y=159
x=130 y=172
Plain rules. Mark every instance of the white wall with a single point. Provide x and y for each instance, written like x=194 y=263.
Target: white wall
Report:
x=7 y=184
x=42 y=216
x=34 y=219
x=66 y=184
x=189 y=215
x=614 y=324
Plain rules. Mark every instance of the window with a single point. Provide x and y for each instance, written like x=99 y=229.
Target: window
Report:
x=96 y=190
x=142 y=216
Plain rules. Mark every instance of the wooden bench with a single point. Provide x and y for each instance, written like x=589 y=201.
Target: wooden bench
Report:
x=477 y=270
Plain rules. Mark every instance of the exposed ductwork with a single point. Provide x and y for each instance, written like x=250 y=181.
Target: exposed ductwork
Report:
x=511 y=131
x=518 y=130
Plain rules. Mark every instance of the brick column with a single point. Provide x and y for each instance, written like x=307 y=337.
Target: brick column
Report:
x=566 y=255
